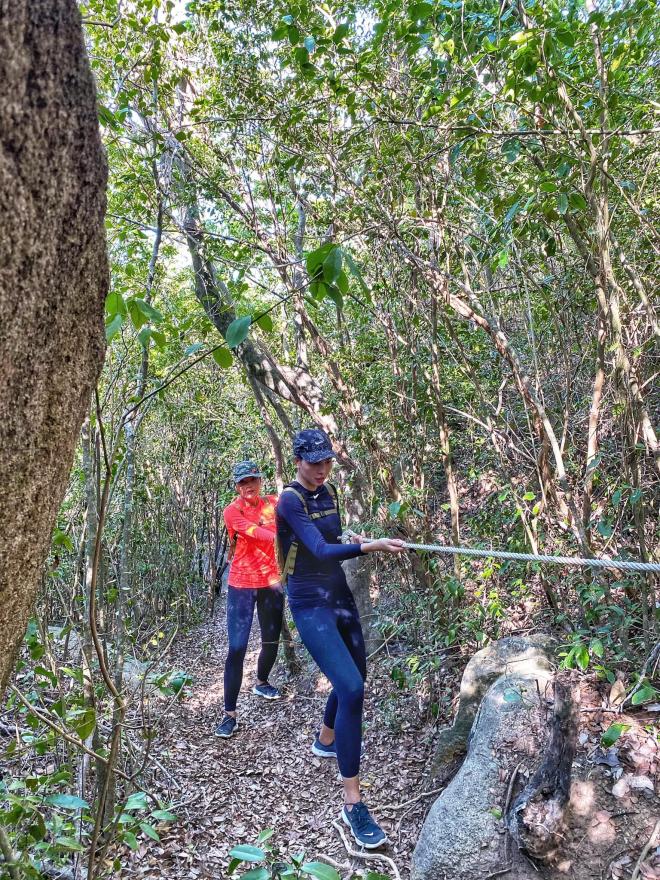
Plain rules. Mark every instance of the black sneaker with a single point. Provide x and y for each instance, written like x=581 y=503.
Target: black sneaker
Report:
x=363 y=828
x=267 y=691
x=227 y=727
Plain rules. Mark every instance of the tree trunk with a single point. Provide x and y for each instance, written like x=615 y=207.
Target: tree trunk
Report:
x=53 y=282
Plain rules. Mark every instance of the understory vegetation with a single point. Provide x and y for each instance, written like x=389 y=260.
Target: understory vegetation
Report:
x=427 y=228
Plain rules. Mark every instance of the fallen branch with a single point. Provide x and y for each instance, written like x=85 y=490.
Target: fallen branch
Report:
x=366 y=856
x=651 y=843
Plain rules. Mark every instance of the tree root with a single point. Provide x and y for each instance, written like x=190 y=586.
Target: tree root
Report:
x=366 y=856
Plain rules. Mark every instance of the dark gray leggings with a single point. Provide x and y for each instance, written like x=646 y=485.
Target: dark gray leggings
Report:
x=240 y=611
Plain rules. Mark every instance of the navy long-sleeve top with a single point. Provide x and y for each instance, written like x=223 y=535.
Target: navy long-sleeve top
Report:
x=317 y=578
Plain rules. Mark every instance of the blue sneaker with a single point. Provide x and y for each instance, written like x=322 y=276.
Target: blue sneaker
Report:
x=227 y=727
x=322 y=751
x=363 y=828
x=267 y=691
x=330 y=751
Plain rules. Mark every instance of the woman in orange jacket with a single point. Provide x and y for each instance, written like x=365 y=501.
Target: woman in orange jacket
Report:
x=254 y=580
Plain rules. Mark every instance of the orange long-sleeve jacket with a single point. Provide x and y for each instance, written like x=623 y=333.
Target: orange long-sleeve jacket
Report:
x=253 y=525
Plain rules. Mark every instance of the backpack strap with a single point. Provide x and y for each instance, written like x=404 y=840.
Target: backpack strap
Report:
x=288 y=565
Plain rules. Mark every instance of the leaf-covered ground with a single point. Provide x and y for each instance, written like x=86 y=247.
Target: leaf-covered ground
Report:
x=225 y=792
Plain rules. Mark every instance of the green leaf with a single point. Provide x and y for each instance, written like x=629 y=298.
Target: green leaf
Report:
x=335 y=295
x=144 y=336
x=265 y=835
x=340 y=32
x=596 y=647
x=149 y=312
x=193 y=349
x=577 y=201
x=257 y=874
x=420 y=11
x=163 y=816
x=582 y=657
x=562 y=203
x=314 y=259
x=129 y=838
x=238 y=330
x=265 y=322
x=69 y=843
x=394 y=508
x=612 y=734
x=85 y=725
x=67 y=802
x=149 y=830
x=223 y=358
x=246 y=853
x=605 y=529
x=137 y=801
x=137 y=317
x=159 y=338
x=643 y=695
x=114 y=304
x=320 y=871
x=565 y=36
x=332 y=266
x=112 y=328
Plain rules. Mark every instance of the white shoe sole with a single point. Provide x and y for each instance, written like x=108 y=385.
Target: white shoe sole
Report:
x=355 y=837
x=227 y=735
x=264 y=696
x=319 y=754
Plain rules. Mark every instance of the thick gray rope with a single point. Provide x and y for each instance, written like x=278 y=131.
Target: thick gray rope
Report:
x=603 y=562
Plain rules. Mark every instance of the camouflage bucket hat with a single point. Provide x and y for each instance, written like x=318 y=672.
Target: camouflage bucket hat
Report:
x=312 y=445
x=245 y=469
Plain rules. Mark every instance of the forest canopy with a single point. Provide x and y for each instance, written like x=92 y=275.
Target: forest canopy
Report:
x=427 y=228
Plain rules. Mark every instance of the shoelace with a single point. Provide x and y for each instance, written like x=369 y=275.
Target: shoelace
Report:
x=363 y=820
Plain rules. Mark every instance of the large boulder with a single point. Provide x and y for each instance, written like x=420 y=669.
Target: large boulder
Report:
x=503 y=706
x=507 y=656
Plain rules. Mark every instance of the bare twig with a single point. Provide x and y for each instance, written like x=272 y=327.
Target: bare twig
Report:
x=419 y=797
x=366 y=856
x=651 y=843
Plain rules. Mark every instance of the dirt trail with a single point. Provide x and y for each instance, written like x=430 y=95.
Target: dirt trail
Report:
x=226 y=791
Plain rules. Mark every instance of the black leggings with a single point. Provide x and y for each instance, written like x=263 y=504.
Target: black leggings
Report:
x=240 y=611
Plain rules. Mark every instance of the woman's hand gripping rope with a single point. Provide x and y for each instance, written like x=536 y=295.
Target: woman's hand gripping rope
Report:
x=373 y=545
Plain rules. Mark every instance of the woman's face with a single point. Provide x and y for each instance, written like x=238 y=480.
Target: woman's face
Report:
x=249 y=488
x=314 y=473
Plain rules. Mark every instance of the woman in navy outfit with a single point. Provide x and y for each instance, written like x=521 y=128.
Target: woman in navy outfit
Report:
x=325 y=614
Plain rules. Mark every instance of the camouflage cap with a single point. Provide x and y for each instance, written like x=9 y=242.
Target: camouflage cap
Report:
x=245 y=469
x=312 y=445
